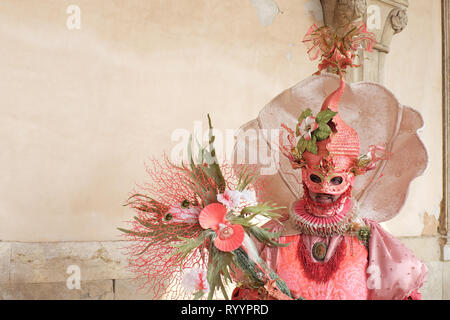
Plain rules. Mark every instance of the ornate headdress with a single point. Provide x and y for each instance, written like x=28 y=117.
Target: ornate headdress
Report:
x=324 y=146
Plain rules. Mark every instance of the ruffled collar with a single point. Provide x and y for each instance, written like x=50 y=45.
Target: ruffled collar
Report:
x=337 y=224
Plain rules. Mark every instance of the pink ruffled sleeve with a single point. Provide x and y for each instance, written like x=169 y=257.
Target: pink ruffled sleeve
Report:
x=394 y=272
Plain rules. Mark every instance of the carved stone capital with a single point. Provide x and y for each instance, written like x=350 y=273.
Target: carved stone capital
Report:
x=383 y=17
x=339 y=13
x=399 y=19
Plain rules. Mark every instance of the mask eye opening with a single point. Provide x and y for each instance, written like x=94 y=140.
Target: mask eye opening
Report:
x=336 y=181
x=315 y=178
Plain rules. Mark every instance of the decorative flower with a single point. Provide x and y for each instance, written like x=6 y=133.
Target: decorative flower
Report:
x=249 y=196
x=307 y=126
x=309 y=131
x=370 y=160
x=377 y=153
x=339 y=60
x=194 y=280
x=289 y=150
x=182 y=214
x=335 y=51
x=229 y=236
x=230 y=198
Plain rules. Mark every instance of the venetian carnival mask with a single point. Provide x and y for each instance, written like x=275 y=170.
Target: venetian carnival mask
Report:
x=326 y=149
x=327 y=169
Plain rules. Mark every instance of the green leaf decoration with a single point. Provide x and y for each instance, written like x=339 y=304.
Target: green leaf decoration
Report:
x=301 y=145
x=312 y=145
x=189 y=153
x=196 y=182
x=185 y=247
x=245 y=178
x=297 y=130
x=134 y=233
x=142 y=222
x=144 y=250
x=154 y=234
x=218 y=273
x=322 y=132
x=243 y=221
x=201 y=153
x=305 y=114
x=325 y=115
x=187 y=244
x=145 y=203
x=265 y=209
x=207 y=166
x=266 y=237
x=199 y=294
x=214 y=167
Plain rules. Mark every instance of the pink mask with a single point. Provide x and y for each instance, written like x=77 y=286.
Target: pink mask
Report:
x=320 y=181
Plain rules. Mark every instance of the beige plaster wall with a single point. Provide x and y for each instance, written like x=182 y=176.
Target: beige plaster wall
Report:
x=414 y=75
x=82 y=109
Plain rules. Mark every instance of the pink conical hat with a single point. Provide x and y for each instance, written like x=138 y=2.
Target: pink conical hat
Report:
x=342 y=147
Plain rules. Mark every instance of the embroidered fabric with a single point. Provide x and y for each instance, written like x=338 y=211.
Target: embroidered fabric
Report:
x=347 y=282
x=384 y=270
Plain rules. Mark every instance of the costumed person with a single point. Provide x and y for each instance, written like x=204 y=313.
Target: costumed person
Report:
x=337 y=248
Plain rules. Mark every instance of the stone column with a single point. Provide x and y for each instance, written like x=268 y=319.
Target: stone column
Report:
x=444 y=221
x=383 y=17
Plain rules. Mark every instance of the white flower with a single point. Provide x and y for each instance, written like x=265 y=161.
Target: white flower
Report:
x=249 y=196
x=307 y=126
x=194 y=279
x=183 y=215
x=230 y=198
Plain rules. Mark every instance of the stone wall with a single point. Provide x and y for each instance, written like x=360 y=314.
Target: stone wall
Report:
x=39 y=270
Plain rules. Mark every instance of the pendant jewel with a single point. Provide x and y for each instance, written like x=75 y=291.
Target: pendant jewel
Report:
x=319 y=251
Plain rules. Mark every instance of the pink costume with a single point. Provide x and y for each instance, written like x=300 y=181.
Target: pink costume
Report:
x=384 y=270
x=335 y=251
